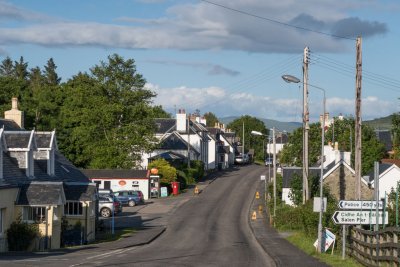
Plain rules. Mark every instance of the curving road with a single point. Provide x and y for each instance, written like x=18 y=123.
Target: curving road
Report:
x=210 y=229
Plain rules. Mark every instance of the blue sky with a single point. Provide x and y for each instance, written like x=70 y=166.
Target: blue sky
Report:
x=198 y=55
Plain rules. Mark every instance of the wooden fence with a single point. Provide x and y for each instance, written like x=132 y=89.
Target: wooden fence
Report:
x=375 y=248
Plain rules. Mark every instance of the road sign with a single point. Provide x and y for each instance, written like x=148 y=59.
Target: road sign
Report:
x=358 y=217
x=262 y=177
x=359 y=204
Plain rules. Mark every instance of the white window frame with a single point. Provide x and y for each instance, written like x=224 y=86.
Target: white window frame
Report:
x=78 y=208
x=34 y=214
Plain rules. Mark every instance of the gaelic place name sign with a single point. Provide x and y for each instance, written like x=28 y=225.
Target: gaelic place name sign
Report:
x=359 y=205
x=359 y=217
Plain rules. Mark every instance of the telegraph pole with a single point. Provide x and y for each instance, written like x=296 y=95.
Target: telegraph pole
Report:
x=306 y=127
x=357 y=152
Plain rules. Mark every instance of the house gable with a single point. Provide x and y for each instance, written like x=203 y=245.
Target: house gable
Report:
x=341 y=183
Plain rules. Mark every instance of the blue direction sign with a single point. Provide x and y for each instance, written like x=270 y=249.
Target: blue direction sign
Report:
x=359 y=217
x=359 y=205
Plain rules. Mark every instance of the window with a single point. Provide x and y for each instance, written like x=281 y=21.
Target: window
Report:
x=107 y=184
x=34 y=214
x=73 y=208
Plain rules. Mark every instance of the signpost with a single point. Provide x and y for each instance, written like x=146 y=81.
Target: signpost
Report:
x=359 y=204
x=359 y=217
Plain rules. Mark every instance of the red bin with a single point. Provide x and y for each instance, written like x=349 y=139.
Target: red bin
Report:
x=175 y=188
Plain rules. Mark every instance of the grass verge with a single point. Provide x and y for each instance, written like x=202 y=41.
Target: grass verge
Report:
x=107 y=236
x=306 y=244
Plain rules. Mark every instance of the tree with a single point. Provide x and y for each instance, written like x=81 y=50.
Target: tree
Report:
x=211 y=119
x=396 y=135
x=372 y=149
x=21 y=69
x=251 y=141
x=165 y=170
x=107 y=116
x=50 y=74
x=7 y=67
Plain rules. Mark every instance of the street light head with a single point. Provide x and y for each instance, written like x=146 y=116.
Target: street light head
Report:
x=290 y=79
x=256 y=133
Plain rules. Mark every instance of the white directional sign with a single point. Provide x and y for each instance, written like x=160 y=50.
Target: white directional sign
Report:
x=358 y=217
x=262 y=177
x=359 y=205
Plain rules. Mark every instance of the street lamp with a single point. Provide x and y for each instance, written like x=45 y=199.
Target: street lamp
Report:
x=292 y=79
x=261 y=134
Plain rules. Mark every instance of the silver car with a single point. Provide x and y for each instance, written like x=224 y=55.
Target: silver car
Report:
x=108 y=203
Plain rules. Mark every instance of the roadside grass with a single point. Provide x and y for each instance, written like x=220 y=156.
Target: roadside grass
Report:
x=107 y=236
x=305 y=243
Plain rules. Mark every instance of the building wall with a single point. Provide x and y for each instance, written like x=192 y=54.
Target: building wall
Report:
x=87 y=219
x=118 y=184
x=7 y=200
x=211 y=155
x=388 y=181
x=341 y=183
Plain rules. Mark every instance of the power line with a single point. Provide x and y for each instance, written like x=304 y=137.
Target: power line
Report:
x=277 y=22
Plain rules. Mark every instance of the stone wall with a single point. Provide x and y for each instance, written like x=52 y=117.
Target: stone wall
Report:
x=341 y=183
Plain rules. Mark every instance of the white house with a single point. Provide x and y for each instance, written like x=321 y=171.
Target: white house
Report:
x=389 y=176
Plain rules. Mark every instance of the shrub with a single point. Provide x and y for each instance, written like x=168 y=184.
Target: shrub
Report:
x=21 y=234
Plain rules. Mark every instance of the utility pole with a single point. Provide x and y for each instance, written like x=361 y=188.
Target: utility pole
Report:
x=306 y=127
x=243 y=141
x=357 y=156
x=188 y=129
x=274 y=170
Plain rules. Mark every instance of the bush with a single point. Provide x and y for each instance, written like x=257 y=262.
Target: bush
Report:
x=20 y=235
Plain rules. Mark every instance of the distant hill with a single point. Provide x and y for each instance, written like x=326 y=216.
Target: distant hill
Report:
x=384 y=123
x=279 y=125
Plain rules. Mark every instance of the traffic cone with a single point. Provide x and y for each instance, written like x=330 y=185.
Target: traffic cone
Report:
x=254 y=216
x=196 y=190
x=257 y=195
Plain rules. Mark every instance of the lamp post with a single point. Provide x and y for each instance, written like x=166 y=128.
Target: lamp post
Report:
x=292 y=79
x=261 y=134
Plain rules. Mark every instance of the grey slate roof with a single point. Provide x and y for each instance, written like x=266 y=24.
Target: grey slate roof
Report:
x=382 y=168
x=385 y=137
x=165 y=125
x=117 y=174
x=169 y=155
x=9 y=125
x=40 y=194
x=17 y=139
x=80 y=192
x=288 y=173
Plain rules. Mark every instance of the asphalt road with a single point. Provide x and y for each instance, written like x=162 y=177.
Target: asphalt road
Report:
x=210 y=229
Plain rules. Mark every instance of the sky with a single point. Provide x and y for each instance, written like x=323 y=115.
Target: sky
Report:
x=225 y=57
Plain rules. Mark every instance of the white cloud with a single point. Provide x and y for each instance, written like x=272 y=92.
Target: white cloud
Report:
x=222 y=103
x=204 y=26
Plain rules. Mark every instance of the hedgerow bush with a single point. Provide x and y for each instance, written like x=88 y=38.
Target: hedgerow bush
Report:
x=21 y=234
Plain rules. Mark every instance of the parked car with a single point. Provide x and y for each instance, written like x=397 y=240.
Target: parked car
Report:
x=242 y=159
x=269 y=162
x=130 y=197
x=108 y=203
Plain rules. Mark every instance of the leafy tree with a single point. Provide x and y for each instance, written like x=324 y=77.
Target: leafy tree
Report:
x=211 y=119
x=251 y=141
x=372 y=149
x=159 y=112
x=396 y=134
x=165 y=170
x=107 y=116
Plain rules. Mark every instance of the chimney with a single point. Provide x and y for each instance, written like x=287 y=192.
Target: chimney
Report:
x=181 y=122
x=14 y=114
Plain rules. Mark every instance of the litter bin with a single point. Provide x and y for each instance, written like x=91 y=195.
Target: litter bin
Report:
x=175 y=188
